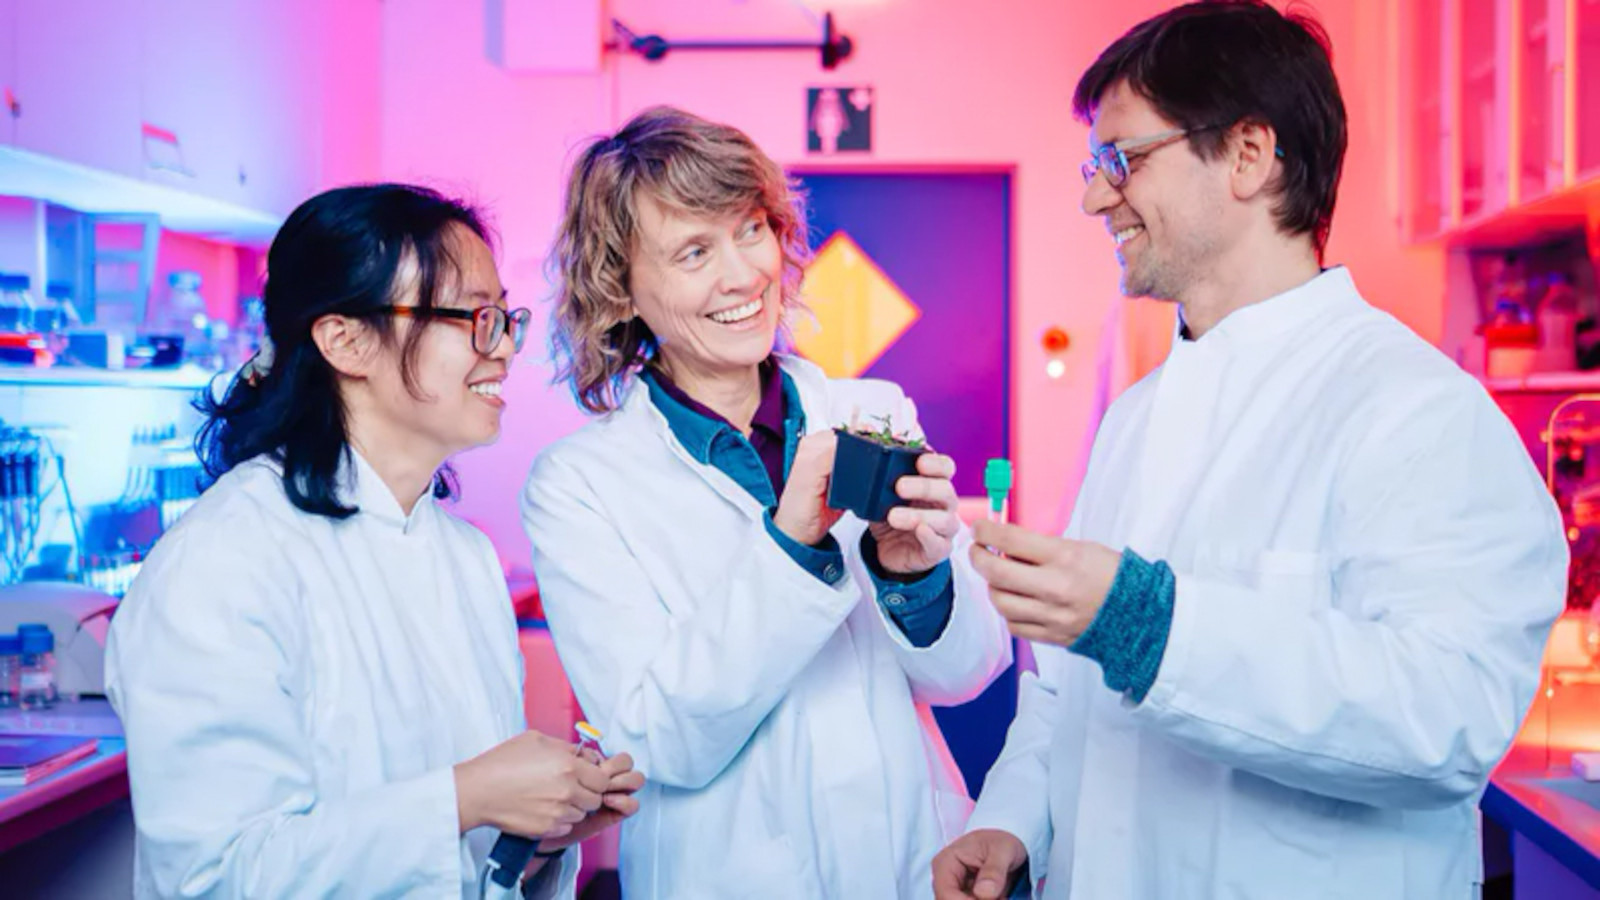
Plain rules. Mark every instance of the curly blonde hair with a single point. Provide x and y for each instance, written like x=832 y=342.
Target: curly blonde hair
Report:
x=687 y=164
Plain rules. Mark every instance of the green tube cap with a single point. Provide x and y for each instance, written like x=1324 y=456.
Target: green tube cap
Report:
x=997 y=478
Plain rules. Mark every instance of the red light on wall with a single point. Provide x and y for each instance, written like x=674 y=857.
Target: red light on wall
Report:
x=1055 y=340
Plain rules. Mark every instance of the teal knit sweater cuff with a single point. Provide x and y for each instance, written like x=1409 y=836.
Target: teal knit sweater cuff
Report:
x=1129 y=634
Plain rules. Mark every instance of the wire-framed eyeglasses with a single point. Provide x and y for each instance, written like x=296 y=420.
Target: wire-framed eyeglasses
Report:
x=1112 y=159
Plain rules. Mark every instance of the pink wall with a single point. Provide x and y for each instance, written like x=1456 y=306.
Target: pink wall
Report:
x=351 y=95
x=956 y=83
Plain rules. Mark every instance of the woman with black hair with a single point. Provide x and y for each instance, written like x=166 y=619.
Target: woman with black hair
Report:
x=317 y=669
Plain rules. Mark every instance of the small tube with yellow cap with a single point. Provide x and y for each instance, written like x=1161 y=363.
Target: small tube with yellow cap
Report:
x=589 y=741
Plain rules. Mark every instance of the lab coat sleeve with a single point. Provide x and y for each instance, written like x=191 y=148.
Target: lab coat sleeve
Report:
x=204 y=659
x=682 y=693
x=1016 y=791
x=973 y=649
x=1448 y=568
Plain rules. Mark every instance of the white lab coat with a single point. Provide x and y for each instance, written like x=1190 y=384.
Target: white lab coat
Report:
x=295 y=691
x=782 y=724
x=1367 y=568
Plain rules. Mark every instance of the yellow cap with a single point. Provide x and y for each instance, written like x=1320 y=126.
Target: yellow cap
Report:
x=587 y=732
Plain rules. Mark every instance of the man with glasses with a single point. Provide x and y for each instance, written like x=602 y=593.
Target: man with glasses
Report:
x=1300 y=607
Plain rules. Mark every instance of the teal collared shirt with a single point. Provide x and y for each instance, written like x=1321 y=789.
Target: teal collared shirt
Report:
x=920 y=608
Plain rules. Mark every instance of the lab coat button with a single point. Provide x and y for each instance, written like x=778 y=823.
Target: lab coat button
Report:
x=830 y=571
x=894 y=599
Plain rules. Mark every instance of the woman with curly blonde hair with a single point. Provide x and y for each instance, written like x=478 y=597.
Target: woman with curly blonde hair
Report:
x=765 y=659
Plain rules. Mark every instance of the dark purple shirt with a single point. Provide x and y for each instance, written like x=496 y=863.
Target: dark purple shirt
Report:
x=766 y=427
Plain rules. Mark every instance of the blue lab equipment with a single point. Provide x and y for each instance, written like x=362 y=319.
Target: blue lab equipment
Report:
x=10 y=662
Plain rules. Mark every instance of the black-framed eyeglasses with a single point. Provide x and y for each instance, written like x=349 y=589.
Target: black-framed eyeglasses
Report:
x=489 y=323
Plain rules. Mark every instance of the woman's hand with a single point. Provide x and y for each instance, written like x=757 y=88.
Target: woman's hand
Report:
x=532 y=785
x=803 y=512
x=918 y=536
x=617 y=804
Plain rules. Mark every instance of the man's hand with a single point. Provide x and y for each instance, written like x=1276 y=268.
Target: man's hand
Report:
x=978 y=866
x=1048 y=588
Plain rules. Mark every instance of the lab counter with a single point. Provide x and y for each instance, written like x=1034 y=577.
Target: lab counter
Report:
x=1548 y=818
x=1554 y=821
x=1535 y=806
x=66 y=796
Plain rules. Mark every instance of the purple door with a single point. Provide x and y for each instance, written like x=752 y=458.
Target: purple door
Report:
x=944 y=241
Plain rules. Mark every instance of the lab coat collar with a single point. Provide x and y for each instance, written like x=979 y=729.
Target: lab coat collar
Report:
x=810 y=385
x=1281 y=313
x=361 y=486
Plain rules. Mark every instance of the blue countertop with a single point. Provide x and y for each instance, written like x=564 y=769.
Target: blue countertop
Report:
x=1556 y=810
x=91 y=718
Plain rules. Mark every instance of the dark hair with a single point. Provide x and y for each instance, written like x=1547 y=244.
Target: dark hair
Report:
x=1212 y=65
x=337 y=254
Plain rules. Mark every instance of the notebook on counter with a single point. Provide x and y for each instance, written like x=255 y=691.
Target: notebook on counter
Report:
x=26 y=758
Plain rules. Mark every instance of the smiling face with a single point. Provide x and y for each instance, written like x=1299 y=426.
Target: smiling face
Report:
x=453 y=402
x=1170 y=218
x=709 y=287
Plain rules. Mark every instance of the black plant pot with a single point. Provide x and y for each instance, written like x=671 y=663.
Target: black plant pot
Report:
x=864 y=475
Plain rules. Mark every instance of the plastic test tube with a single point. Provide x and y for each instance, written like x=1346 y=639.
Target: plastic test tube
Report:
x=997 y=479
x=589 y=738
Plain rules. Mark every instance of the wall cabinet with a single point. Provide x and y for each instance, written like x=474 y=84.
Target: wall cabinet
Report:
x=8 y=70
x=1501 y=116
x=221 y=100
x=76 y=86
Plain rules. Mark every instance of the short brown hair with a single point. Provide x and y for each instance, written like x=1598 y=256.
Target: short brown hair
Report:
x=1208 y=66
x=687 y=164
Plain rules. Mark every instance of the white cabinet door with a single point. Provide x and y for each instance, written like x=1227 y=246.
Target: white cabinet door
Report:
x=219 y=98
x=190 y=95
x=77 y=81
x=279 y=104
x=8 y=70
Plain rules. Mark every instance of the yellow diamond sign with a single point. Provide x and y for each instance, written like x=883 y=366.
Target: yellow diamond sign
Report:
x=859 y=311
